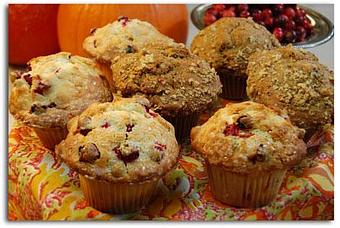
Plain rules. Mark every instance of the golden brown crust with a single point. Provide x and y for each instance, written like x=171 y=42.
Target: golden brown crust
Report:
x=122 y=141
x=55 y=88
x=228 y=43
x=293 y=80
x=246 y=137
x=174 y=80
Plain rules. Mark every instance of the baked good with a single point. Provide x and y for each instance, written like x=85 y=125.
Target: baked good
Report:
x=248 y=148
x=178 y=84
x=227 y=45
x=121 y=37
x=54 y=89
x=292 y=79
x=120 y=150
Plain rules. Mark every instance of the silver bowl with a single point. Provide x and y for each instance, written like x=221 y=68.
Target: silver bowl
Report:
x=323 y=29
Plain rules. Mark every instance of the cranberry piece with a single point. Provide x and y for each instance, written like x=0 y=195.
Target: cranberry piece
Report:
x=28 y=79
x=228 y=13
x=231 y=130
x=267 y=13
x=219 y=7
x=124 y=20
x=209 y=19
x=242 y=7
x=290 y=25
x=300 y=12
x=257 y=15
x=126 y=158
x=89 y=153
x=289 y=36
x=230 y=7
x=106 y=125
x=269 y=21
x=41 y=88
x=281 y=20
x=245 y=14
x=289 y=12
x=84 y=131
x=306 y=24
x=301 y=33
x=160 y=147
x=278 y=33
x=278 y=8
x=213 y=11
x=129 y=127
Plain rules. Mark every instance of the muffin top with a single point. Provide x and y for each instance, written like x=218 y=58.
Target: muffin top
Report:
x=55 y=88
x=120 y=37
x=292 y=79
x=246 y=137
x=174 y=80
x=123 y=141
x=228 y=43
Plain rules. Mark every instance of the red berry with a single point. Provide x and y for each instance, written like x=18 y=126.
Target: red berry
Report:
x=269 y=22
x=278 y=33
x=300 y=12
x=228 y=13
x=41 y=88
x=242 y=7
x=106 y=125
x=257 y=15
x=290 y=25
x=301 y=33
x=299 y=20
x=278 y=8
x=230 y=7
x=129 y=127
x=281 y=20
x=306 y=24
x=244 y=14
x=209 y=19
x=289 y=36
x=267 y=13
x=28 y=79
x=219 y=7
x=289 y=12
x=213 y=12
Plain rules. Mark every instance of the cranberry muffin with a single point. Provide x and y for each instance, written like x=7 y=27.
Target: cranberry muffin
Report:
x=248 y=148
x=178 y=84
x=121 y=37
x=120 y=150
x=293 y=80
x=54 y=89
x=227 y=45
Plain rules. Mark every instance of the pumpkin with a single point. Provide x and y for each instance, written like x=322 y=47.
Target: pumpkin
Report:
x=75 y=21
x=32 y=31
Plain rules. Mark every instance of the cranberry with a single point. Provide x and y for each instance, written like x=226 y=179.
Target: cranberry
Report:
x=269 y=21
x=257 y=15
x=28 y=79
x=228 y=13
x=129 y=127
x=84 y=131
x=209 y=19
x=231 y=130
x=281 y=20
x=219 y=7
x=290 y=25
x=267 y=13
x=242 y=7
x=278 y=33
x=124 y=20
x=160 y=147
x=41 y=88
x=300 y=12
x=301 y=33
x=126 y=158
x=278 y=8
x=213 y=12
x=289 y=36
x=299 y=20
x=289 y=12
x=230 y=7
x=306 y=24
x=244 y=14
x=106 y=125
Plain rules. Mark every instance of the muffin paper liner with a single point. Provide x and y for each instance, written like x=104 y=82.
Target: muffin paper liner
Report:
x=50 y=137
x=252 y=190
x=233 y=85
x=117 y=197
x=183 y=125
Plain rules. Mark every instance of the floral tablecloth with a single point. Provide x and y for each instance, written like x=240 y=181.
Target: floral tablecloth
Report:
x=42 y=188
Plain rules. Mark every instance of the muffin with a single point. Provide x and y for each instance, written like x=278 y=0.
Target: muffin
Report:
x=292 y=79
x=54 y=89
x=119 y=38
x=248 y=148
x=121 y=150
x=227 y=45
x=179 y=85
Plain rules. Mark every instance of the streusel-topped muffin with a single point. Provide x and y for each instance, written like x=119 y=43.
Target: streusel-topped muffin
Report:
x=56 y=88
x=292 y=79
x=248 y=144
x=119 y=143
x=227 y=45
x=177 y=83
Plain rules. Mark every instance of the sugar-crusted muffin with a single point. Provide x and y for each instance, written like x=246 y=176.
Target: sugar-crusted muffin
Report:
x=292 y=79
x=124 y=148
x=54 y=89
x=119 y=38
x=248 y=148
x=227 y=45
x=178 y=84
